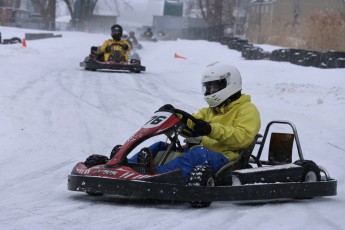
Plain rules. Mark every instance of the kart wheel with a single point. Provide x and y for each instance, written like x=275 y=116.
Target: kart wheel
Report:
x=95 y=193
x=201 y=175
x=136 y=71
x=311 y=172
x=135 y=61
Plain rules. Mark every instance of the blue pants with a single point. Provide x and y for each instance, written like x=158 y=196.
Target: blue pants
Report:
x=197 y=155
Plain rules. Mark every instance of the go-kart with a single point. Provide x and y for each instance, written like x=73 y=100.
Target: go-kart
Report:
x=116 y=61
x=246 y=179
x=148 y=38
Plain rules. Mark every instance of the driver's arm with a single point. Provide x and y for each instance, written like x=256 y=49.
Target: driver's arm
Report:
x=232 y=130
x=198 y=115
x=129 y=48
x=103 y=48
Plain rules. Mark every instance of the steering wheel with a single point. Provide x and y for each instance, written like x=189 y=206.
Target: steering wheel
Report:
x=187 y=131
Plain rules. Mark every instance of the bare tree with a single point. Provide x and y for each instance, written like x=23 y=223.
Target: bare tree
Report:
x=218 y=13
x=80 y=10
x=47 y=9
x=69 y=4
x=10 y=3
x=211 y=11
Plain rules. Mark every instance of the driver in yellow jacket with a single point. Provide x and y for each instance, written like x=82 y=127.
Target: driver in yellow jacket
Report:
x=111 y=45
x=228 y=125
x=233 y=126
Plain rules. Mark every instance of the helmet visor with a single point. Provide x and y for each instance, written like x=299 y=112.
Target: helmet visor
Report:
x=116 y=33
x=212 y=87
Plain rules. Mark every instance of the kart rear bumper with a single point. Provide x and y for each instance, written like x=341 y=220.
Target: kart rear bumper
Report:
x=94 y=65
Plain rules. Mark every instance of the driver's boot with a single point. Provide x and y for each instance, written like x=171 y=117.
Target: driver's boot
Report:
x=146 y=160
x=115 y=150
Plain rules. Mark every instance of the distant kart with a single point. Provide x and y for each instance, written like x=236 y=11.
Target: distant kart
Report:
x=152 y=38
x=116 y=61
x=246 y=179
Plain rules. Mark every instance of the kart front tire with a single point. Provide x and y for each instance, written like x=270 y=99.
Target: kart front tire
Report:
x=95 y=193
x=201 y=175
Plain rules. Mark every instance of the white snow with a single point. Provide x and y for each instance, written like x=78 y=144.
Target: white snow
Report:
x=54 y=114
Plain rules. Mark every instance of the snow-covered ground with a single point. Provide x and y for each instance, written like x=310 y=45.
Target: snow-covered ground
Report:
x=54 y=114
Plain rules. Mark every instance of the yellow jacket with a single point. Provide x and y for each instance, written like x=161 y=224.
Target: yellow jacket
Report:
x=110 y=42
x=234 y=126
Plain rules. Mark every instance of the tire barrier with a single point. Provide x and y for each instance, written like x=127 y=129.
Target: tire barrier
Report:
x=13 y=40
x=250 y=52
x=235 y=43
x=7 y=41
x=34 y=36
x=325 y=60
x=28 y=36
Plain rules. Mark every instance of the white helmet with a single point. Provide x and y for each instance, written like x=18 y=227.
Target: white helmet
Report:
x=225 y=77
x=125 y=35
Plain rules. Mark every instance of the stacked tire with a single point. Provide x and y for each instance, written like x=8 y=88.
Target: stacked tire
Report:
x=250 y=52
x=13 y=40
x=325 y=60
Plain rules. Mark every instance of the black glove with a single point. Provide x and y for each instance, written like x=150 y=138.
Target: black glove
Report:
x=166 y=107
x=124 y=46
x=202 y=128
x=108 y=49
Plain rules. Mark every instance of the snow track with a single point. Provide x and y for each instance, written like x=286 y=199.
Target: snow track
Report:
x=54 y=114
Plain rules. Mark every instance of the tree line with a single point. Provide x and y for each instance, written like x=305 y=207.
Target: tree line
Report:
x=215 y=12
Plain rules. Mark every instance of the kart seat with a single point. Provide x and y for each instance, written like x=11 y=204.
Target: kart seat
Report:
x=162 y=159
x=224 y=173
x=280 y=148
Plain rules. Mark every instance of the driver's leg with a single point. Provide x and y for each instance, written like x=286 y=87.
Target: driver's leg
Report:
x=195 y=156
x=155 y=148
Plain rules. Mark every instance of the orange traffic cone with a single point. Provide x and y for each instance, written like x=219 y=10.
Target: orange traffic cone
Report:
x=23 y=42
x=178 y=56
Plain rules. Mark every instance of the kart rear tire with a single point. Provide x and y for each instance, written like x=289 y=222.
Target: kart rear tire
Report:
x=135 y=61
x=311 y=172
x=201 y=175
x=137 y=71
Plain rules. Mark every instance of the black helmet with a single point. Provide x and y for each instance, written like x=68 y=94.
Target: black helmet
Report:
x=116 y=32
